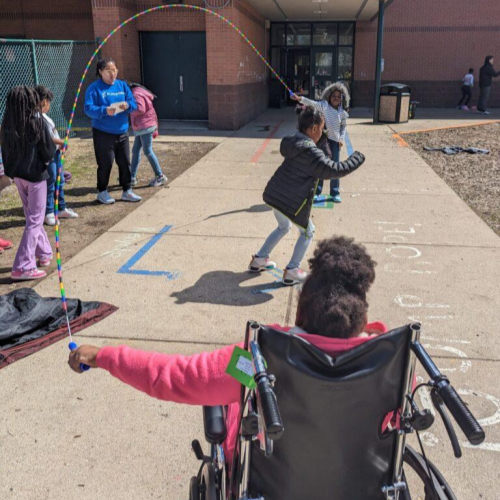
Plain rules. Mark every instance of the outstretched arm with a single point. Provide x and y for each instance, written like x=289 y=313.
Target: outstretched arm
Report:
x=199 y=379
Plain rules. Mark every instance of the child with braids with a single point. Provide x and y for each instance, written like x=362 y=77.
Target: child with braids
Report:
x=331 y=314
x=27 y=148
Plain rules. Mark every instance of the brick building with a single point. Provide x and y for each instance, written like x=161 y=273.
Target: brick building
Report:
x=202 y=69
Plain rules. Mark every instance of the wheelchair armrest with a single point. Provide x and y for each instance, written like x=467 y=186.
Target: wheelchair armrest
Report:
x=215 y=424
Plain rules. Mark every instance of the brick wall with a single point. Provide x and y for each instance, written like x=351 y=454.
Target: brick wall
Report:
x=429 y=45
x=237 y=78
x=53 y=20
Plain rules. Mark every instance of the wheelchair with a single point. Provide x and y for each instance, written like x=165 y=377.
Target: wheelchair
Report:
x=331 y=428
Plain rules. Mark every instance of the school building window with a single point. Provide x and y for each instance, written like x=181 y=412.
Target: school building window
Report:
x=311 y=56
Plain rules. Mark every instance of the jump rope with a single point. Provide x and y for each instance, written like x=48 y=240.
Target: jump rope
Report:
x=72 y=344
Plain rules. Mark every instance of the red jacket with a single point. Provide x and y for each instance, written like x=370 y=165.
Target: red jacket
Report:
x=145 y=116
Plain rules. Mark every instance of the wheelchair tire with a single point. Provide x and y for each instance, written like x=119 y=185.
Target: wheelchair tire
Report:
x=436 y=483
x=194 y=489
x=209 y=483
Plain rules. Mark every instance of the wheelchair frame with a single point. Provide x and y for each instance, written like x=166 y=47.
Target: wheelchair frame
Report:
x=258 y=417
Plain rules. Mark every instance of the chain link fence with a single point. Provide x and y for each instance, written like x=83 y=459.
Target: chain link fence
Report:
x=57 y=64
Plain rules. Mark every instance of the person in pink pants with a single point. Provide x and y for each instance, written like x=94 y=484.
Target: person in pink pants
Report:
x=34 y=244
x=27 y=148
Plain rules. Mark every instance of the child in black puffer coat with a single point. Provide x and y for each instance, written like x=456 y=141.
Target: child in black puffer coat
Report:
x=291 y=190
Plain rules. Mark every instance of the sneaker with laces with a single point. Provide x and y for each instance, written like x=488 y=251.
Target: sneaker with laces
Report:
x=294 y=276
x=32 y=274
x=258 y=264
x=67 y=213
x=104 y=198
x=50 y=220
x=134 y=181
x=44 y=262
x=5 y=244
x=129 y=195
x=158 y=181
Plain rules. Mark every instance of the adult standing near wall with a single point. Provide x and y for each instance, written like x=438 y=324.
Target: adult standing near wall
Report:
x=486 y=75
x=108 y=101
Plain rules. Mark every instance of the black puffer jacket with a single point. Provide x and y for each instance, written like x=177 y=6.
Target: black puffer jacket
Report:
x=291 y=189
x=33 y=167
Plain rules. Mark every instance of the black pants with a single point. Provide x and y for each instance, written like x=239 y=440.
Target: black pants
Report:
x=484 y=94
x=107 y=148
x=466 y=95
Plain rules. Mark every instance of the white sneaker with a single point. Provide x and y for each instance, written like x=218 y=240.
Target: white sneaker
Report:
x=158 y=181
x=258 y=264
x=67 y=213
x=294 y=276
x=134 y=181
x=104 y=198
x=50 y=220
x=130 y=196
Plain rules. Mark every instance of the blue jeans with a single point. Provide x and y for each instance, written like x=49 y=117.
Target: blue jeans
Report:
x=144 y=142
x=334 y=183
x=284 y=226
x=52 y=170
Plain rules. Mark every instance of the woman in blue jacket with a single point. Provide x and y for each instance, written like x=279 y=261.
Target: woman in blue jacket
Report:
x=108 y=101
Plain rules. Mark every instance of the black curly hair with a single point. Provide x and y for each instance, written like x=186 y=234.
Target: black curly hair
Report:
x=333 y=299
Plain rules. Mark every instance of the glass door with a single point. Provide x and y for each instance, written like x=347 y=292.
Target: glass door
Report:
x=299 y=71
x=323 y=70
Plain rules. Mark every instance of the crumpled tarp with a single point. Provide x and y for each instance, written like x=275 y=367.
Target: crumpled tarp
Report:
x=453 y=150
x=29 y=322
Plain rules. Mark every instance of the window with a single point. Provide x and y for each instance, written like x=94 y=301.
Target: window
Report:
x=278 y=34
x=298 y=34
x=325 y=34
x=345 y=64
x=346 y=33
x=323 y=64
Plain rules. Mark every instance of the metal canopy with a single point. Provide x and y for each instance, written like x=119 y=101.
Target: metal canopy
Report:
x=317 y=10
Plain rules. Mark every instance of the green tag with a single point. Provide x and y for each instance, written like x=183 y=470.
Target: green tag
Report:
x=240 y=367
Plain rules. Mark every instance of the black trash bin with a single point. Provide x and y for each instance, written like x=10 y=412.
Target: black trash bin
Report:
x=394 y=103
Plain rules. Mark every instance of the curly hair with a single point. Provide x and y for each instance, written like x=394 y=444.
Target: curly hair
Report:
x=333 y=299
x=342 y=88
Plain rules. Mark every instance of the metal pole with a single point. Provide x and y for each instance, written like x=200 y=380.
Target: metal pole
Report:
x=378 y=63
x=34 y=62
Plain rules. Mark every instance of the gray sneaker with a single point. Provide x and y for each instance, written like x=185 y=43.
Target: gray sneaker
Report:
x=104 y=198
x=134 y=181
x=158 y=181
x=130 y=196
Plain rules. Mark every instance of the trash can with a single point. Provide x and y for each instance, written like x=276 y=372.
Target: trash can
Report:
x=394 y=103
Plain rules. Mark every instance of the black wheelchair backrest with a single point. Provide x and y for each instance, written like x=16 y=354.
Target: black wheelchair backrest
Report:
x=333 y=408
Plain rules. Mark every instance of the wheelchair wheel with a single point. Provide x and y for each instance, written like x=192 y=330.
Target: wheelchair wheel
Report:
x=194 y=490
x=432 y=488
x=208 y=487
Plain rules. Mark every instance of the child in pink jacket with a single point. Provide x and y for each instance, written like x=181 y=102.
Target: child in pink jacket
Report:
x=145 y=127
x=331 y=314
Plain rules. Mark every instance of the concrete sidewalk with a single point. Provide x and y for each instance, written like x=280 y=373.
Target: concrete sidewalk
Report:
x=90 y=436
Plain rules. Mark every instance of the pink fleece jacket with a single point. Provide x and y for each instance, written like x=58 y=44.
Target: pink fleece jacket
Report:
x=201 y=379
x=145 y=115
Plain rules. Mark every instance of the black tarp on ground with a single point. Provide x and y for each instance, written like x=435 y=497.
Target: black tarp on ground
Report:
x=29 y=322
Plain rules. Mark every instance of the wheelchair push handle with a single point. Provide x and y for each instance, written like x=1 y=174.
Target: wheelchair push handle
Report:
x=464 y=418
x=270 y=411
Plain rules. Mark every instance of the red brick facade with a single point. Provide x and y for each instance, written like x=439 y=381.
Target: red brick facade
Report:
x=429 y=45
